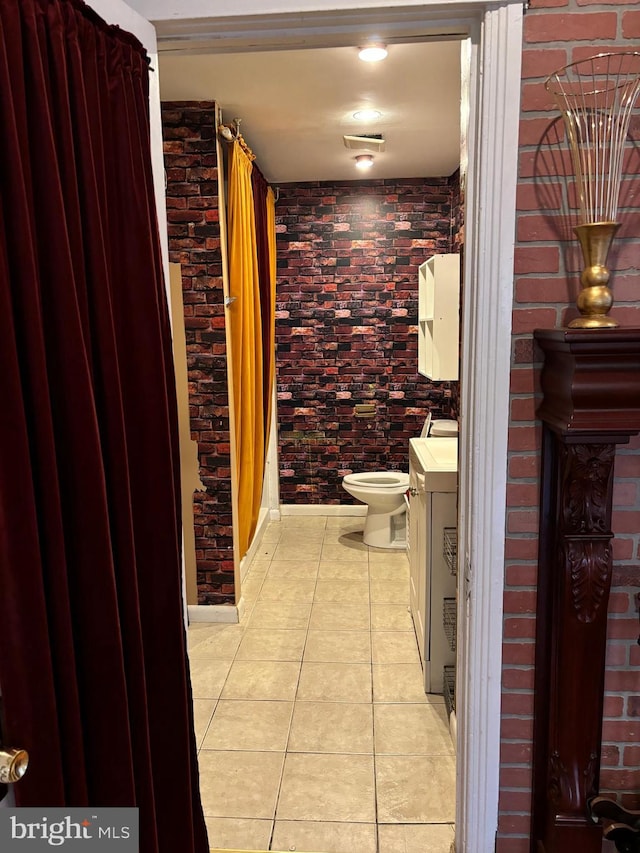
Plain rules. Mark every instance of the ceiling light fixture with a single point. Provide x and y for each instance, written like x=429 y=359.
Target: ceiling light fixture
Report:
x=364 y=161
x=373 y=53
x=367 y=115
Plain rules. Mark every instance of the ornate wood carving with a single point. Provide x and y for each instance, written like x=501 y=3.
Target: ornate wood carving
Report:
x=559 y=789
x=588 y=565
x=565 y=789
x=587 y=473
x=591 y=403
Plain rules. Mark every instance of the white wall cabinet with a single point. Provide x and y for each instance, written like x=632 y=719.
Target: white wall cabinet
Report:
x=439 y=317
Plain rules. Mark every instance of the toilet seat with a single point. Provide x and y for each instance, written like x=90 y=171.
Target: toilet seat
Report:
x=379 y=480
x=443 y=427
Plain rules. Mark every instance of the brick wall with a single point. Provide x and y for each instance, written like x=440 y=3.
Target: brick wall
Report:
x=194 y=242
x=348 y=257
x=547 y=264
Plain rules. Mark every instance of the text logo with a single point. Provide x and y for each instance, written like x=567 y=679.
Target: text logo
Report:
x=33 y=830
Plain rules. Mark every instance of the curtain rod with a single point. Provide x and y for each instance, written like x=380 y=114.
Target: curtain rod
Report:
x=231 y=133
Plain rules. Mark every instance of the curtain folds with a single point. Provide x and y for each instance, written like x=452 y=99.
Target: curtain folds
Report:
x=93 y=665
x=244 y=317
x=270 y=347
x=252 y=281
x=264 y=207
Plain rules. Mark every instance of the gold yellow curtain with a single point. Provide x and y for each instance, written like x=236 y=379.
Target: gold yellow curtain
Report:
x=270 y=345
x=244 y=316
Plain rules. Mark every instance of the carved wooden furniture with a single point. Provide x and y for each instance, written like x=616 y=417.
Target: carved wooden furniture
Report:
x=622 y=826
x=591 y=402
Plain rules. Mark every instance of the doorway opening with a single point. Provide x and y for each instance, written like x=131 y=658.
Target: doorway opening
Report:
x=494 y=48
x=348 y=319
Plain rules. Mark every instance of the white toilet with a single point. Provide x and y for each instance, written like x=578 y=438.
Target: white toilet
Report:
x=443 y=428
x=383 y=492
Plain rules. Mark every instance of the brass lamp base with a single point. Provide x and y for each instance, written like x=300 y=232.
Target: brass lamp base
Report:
x=595 y=298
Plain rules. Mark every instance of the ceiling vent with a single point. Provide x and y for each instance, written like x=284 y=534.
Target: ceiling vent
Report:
x=373 y=142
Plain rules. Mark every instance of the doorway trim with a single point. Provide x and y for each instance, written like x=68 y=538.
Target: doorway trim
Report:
x=493 y=33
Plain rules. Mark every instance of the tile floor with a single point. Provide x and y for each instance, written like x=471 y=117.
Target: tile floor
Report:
x=313 y=728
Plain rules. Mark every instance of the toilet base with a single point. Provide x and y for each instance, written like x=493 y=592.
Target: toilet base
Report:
x=382 y=530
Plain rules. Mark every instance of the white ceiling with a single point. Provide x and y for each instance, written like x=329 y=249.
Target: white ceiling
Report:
x=296 y=105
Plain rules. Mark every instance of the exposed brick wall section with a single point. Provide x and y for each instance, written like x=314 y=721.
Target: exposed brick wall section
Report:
x=194 y=242
x=348 y=257
x=457 y=213
x=547 y=264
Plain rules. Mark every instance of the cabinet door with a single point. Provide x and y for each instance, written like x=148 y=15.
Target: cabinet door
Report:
x=418 y=558
x=444 y=510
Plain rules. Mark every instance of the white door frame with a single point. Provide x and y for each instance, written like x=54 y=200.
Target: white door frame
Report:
x=495 y=47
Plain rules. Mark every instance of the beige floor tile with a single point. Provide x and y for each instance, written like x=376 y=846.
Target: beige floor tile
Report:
x=329 y=837
x=239 y=784
x=343 y=571
x=297 y=521
x=350 y=537
x=394 y=647
x=202 y=712
x=331 y=721
x=273 y=532
x=239 y=833
x=343 y=646
x=297 y=536
x=265 y=550
x=251 y=587
x=331 y=727
x=297 y=569
x=353 y=592
x=327 y=787
x=197 y=632
x=250 y=679
x=407 y=729
x=275 y=614
x=385 y=556
x=353 y=522
x=290 y=590
x=302 y=550
x=391 y=617
x=389 y=571
x=208 y=677
x=246 y=609
x=257 y=725
x=197 y=627
x=333 y=616
x=272 y=644
x=340 y=553
x=415 y=838
x=220 y=644
x=390 y=592
x=415 y=788
x=398 y=682
x=335 y=682
x=258 y=567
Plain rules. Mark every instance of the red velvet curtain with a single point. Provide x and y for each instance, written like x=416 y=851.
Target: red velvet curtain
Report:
x=93 y=666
